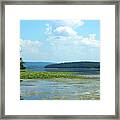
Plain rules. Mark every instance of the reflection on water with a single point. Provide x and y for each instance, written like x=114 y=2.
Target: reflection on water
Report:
x=68 y=89
x=81 y=70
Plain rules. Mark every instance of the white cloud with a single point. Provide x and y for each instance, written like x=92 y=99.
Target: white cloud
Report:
x=59 y=41
x=66 y=35
x=48 y=29
x=73 y=23
x=74 y=40
x=90 y=42
x=30 y=45
x=65 y=30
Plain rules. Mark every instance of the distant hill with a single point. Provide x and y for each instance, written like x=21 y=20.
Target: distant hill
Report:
x=75 y=65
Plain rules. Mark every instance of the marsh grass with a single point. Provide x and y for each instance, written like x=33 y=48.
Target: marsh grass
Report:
x=49 y=75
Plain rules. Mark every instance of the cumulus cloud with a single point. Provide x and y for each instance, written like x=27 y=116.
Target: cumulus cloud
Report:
x=66 y=35
x=65 y=30
x=76 y=40
x=91 y=40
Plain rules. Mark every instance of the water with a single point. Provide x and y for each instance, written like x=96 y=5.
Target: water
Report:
x=88 y=71
x=60 y=88
x=68 y=89
x=36 y=66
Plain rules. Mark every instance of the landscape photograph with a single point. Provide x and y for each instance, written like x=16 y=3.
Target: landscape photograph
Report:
x=60 y=59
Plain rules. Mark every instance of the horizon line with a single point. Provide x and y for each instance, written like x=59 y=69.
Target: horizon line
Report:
x=62 y=61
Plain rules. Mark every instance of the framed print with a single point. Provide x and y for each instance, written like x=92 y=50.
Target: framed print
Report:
x=60 y=59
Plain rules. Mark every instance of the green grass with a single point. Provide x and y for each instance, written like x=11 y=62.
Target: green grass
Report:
x=48 y=75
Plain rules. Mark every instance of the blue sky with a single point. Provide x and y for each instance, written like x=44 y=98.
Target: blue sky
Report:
x=60 y=40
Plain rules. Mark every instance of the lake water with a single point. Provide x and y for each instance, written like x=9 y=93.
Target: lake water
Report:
x=36 y=66
x=68 y=89
x=60 y=88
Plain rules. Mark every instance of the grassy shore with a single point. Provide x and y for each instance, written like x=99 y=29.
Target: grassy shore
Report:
x=49 y=75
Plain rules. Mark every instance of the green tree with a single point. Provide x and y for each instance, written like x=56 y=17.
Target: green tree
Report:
x=21 y=64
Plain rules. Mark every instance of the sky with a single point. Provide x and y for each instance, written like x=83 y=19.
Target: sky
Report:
x=60 y=40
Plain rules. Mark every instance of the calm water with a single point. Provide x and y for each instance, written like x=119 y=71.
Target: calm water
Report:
x=36 y=66
x=68 y=89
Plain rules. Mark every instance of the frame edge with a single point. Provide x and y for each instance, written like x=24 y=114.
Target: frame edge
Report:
x=117 y=9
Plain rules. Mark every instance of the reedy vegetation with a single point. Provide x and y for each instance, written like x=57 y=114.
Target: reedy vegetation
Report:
x=48 y=75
